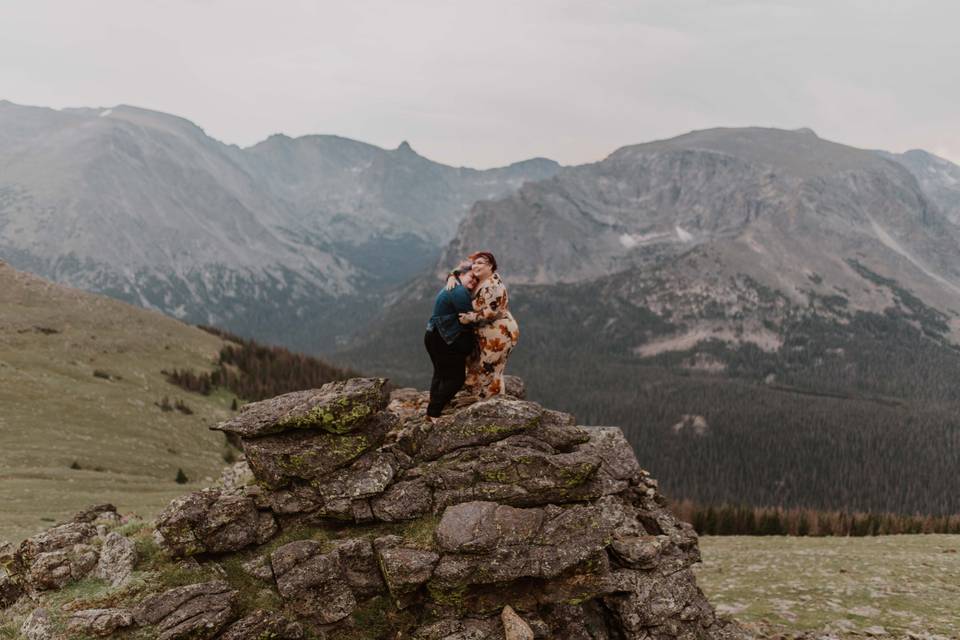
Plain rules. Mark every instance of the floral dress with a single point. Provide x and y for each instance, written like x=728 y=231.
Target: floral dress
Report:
x=497 y=335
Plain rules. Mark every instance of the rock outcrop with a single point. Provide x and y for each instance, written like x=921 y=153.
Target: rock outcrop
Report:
x=503 y=520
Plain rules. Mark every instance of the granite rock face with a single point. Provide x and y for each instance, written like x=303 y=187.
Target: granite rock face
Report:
x=502 y=520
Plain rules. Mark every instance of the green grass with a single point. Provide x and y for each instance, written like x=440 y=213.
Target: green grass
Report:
x=253 y=593
x=55 y=411
x=905 y=584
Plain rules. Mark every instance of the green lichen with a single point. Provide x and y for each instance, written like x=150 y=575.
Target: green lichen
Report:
x=296 y=464
x=500 y=476
x=181 y=536
x=339 y=449
x=340 y=416
x=349 y=447
x=577 y=475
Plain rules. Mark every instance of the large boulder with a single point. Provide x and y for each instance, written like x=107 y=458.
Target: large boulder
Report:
x=56 y=557
x=336 y=407
x=211 y=521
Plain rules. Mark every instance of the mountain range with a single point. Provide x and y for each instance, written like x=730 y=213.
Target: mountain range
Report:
x=770 y=312
x=287 y=240
x=775 y=314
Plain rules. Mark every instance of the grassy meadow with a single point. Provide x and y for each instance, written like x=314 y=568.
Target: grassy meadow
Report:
x=80 y=381
x=903 y=586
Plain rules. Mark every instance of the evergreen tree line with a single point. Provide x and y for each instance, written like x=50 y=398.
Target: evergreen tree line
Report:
x=254 y=371
x=743 y=520
x=855 y=416
x=862 y=416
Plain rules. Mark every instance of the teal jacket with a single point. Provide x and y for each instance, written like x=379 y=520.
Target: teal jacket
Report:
x=446 y=309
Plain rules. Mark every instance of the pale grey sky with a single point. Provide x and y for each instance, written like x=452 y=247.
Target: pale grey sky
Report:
x=488 y=82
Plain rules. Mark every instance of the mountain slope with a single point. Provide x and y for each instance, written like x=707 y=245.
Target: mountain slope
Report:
x=786 y=198
x=771 y=312
x=145 y=207
x=939 y=178
x=79 y=378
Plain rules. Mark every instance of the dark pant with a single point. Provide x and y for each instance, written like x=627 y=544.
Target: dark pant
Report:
x=449 y=367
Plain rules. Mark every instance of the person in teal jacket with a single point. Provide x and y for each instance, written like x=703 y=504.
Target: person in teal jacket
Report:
x=449 y=342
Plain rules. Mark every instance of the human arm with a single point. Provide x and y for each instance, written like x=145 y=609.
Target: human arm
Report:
x=488 y=304
x=453 y=278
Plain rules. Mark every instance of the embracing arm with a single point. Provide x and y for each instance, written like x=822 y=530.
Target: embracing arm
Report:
x=487 y=305
x=453 y=278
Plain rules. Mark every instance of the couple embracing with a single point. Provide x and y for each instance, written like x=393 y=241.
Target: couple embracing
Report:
x=470 y=334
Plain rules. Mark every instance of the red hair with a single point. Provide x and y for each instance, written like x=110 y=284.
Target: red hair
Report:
x=486 y=255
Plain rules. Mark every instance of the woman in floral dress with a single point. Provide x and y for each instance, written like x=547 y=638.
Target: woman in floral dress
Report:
x=496 y=329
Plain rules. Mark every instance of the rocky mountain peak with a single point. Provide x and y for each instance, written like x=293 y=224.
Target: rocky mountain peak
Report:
x=146 y=207
x=798 y=153
x=503 y=521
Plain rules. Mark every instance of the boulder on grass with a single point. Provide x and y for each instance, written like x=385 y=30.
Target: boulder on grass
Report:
x=56 y=557
x=211 y=521
x=118 y=556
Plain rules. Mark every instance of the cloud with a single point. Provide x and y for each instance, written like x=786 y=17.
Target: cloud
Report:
x=483 y=84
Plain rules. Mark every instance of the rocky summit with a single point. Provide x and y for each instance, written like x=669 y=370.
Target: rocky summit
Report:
x=359 y=519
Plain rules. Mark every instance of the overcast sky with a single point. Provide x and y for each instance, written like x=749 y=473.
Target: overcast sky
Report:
x=488 y=82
